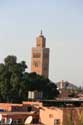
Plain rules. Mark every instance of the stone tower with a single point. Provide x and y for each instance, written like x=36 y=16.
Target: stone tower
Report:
x=40 y=57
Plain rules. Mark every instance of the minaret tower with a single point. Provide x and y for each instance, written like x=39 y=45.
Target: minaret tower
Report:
x=40 y=57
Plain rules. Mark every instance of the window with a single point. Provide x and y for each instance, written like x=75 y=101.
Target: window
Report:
x=29 y=108
x=50 y=115
x=36 y=63
x=38 y=45
x=57 y=122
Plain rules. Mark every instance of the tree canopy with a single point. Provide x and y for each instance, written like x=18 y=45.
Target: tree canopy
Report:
x=15 y=82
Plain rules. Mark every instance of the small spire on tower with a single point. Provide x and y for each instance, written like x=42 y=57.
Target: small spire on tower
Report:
x=41 y=32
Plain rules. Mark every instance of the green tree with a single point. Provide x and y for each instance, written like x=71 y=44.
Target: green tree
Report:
x=15 y=82
x=12 y=84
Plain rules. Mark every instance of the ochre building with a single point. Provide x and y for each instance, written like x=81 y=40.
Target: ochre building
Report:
x=40 y=57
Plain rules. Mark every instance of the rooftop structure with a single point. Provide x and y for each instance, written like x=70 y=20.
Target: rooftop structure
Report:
x=46 y=112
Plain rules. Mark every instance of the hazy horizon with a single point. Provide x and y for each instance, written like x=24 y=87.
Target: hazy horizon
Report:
x=62 y=25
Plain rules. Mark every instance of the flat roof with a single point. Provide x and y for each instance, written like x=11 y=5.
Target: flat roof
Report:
x=16 y=113
x=63 y=100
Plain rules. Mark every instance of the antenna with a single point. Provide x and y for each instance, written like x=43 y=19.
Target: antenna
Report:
x=28 y=120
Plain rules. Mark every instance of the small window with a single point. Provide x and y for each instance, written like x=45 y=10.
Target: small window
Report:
x=38 y=45
x=29 y=108
x=57 y=122
x=50 y=115
x=36 y=63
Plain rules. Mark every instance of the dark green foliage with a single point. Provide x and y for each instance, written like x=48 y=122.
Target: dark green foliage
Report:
x=15 y=82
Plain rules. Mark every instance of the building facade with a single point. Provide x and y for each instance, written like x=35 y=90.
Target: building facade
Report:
x=40 y=57
x=50 y=112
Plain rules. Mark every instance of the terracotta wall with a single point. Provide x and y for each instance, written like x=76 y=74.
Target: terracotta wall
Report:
x=5 y=106
x=73 y=116
x=49 y=115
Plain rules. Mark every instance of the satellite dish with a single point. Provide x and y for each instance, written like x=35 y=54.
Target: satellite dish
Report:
x=28 y=120
x=0 y=117
x=9 y=121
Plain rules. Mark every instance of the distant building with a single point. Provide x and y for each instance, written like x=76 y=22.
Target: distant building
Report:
x=40 y=57
x=66 y=85
x=61 y=85
x=18 y=113
x=33 y=95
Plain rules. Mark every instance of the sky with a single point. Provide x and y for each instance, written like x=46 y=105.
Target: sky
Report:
x=62 y=25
